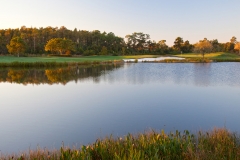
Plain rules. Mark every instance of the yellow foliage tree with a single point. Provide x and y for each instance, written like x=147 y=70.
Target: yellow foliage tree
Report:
x=237 y=47
x=16 y=46
x=61 y=45
x=52 y=45
x=203 y=47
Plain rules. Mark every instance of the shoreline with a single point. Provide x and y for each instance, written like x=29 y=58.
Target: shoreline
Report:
x=40 y=62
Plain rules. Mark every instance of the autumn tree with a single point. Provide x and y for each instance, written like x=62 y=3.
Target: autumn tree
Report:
x=16 y=46
x=229 y=46
x=51 y=45
x=203 y=47
x=162 y=47
x=237 y=47
x=61 y=45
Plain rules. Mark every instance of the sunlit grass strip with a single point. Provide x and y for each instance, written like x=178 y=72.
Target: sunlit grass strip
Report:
x=197 y=55
x=219 y=56
x=215 y=144
x=138 y=56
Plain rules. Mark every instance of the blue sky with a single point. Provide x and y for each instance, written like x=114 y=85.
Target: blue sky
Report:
x=162 y=19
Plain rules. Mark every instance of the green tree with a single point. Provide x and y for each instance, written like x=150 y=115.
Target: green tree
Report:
x=178 y=44
x=233 y=40
x=228 y=47
x=37 y=38
x=2 y=44
x=104 y=51
x=216 y=46
x=162 y=47
x=203 y=47
x=181 y=46
x=137 y=41
x=16 y=46
x=66 y=45
x=34 y=36
x=186 y=47
x=123 y=50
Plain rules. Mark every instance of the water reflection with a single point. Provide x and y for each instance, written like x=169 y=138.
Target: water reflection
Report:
x=197 y=74
x=114 y=100
x=55 y=75
x=202 y=74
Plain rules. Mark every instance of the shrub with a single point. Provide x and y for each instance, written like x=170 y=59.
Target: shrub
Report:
x=60 y=55
x=89 y=52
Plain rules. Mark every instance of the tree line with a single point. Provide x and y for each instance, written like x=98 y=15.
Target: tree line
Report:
x=61 y=40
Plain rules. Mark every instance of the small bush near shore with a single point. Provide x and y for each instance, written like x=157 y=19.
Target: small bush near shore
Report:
x=216 y=144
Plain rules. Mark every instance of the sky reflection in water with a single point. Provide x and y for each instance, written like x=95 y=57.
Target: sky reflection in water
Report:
x=132 y=98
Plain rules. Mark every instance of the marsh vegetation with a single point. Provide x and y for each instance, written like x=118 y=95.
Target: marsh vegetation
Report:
x=215 y=144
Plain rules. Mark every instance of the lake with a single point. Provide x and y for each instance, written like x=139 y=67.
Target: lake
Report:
x=75 y=106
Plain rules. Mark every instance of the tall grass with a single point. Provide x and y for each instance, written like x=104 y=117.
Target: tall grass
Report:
x=215 y=144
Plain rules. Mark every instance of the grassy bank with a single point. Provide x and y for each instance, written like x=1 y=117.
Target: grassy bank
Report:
x=215 y=144
x=217 y=57
x=11 y=61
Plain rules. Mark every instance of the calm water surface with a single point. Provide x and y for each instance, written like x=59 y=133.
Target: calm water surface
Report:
x=130 y=98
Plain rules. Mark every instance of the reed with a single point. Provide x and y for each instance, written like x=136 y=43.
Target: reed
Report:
x=227 y=60
x=215 y=144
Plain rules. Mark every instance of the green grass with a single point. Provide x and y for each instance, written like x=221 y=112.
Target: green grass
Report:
x=10 y=59
x=219 y=56
x=216 y=144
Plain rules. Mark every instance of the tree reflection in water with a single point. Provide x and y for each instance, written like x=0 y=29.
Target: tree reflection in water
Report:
x=54 y=75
